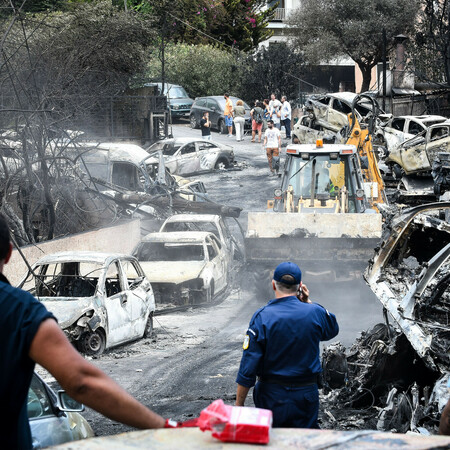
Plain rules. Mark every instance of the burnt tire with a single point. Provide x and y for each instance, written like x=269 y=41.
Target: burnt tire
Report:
x=222 y=164
x=148 y=330
x=222 y=126
x=193 y=122
x=92 y=343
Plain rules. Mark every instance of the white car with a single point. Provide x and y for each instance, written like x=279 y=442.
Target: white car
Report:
x=212 y=223
x=186 y=267
x=399 y=129
x=184 y=156
x=100 y=299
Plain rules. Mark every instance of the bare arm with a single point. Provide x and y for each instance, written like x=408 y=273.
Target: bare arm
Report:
x=241 y=394
x=85 y=382
x=444 y=424
x=279 y=140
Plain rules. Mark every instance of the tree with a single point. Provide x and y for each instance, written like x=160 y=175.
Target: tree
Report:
x=200 y=69
x=324 y=29
x=241 y=24
x=276 y=69
x=432 y=53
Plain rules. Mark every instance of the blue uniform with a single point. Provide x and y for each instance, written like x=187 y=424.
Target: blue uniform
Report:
x=20 y=317
x=282 y=349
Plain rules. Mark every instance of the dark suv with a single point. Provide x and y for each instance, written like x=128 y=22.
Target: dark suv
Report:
x=177 y=98
x=215 y=106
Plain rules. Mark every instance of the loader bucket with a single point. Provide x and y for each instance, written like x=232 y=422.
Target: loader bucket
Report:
x=318 y=242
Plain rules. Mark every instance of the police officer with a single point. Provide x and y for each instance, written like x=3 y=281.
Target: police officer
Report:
x=281 y=348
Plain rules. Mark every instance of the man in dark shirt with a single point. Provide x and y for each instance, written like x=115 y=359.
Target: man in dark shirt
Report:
x=29 y=334
x=205 y=126
x=282 y=349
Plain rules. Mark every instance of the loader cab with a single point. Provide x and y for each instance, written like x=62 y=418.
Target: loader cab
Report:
x=321 y=179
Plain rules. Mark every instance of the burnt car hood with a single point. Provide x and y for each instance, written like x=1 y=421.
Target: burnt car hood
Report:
x=67 y=309
x=175 y=272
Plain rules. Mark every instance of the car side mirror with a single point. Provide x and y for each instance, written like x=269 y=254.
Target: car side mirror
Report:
x=213 y=108
x=68 y=404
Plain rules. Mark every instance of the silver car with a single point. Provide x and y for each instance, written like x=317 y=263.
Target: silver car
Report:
x=54 y=419
x=184 y=156
x=100 y=299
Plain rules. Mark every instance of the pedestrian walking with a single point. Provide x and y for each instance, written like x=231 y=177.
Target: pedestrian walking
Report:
x=205 y=126
x=239 y=120
x=281 y=348
x=29 y=334
x=272 y=144
x=228 y=114
x=257 y=115
x=286 y=116
x=274 y=111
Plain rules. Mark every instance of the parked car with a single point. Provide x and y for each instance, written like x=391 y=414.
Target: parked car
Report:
x=177 y=98
x=100 y=299
x=211 y=223
x=400 y=129
x=215 y=105
x=54 y=419
x=184 y=156
x=184 y=267
x=418 y=153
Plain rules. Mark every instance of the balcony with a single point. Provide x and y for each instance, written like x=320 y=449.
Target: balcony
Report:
x=281 y=14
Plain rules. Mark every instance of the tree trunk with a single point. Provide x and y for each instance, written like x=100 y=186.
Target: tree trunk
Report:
x=366 y=71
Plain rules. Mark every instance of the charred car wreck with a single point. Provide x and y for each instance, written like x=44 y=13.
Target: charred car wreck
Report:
x=394 y=377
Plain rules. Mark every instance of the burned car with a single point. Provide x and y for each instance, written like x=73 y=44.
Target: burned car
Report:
x=394 y=377
x=54 y=418
x=184 y=156
x=100 y=299
x=188 y=267
x=416 y=155
x=399 y=129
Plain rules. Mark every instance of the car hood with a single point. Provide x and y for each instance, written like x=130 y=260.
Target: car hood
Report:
x=172 y=271
x=181 y=101
x=67 y=310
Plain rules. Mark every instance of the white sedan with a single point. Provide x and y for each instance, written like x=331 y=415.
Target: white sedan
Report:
x=185 y=267
x=100 y=299
x=184 y=156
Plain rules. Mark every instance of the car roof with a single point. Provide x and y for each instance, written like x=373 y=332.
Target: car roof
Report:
x=193 y=218
x=81 y=256
x=423 y=118
x=119 y=151
x=177 y=236
x=218 y=97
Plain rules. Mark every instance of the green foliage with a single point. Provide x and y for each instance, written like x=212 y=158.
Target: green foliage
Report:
x=270 y=70
x=237 y=23
x=326 y=29
x=200 y=69
x=431 y=54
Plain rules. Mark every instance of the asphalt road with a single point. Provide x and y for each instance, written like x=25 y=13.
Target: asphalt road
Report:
x=194 y=355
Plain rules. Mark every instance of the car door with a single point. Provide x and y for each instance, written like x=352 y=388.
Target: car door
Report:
x=395 y=133
x=218 y=261
x=207 y=154
x=188 y=160
x=439 y=141
x=138 y=298
x=118 y=307
x=214 y=110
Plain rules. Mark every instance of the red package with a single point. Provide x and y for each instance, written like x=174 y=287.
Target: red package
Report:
x=236 y=423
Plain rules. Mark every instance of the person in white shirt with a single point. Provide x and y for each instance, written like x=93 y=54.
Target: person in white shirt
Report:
x=286 y=116
x=272 y=143
x=274 y=111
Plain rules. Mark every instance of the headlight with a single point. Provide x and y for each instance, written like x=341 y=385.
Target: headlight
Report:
x=175 y=106
x=277 y=193
x=360 y=194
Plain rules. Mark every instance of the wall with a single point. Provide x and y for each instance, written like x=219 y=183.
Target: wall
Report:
x=117 y=239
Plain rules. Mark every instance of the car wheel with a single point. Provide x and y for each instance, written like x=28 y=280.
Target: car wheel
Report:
x=398 y=171
x=148 y=331
x=93 y=343
x=193 y=122
x=222 y=164
x=222 y=127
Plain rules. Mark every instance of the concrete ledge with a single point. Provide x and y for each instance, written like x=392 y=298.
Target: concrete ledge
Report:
x=193 y=438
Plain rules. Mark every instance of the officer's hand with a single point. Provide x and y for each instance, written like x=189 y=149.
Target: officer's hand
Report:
x=305 y=294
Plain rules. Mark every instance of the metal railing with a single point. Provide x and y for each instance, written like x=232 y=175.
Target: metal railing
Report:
x=281 y=14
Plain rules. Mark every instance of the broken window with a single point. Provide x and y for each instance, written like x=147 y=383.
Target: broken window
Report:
x=112 y=281
x=126 y=175
x=132 y=273
x=415 y=128
x=438 y=133
x=170 y=251
x=398 y=124
x=188 y=148
x=342 y=107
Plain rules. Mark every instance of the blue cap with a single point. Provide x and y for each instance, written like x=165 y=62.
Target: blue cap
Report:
x=288 y=268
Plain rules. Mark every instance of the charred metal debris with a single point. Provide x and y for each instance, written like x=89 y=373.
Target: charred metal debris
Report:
x=394 y=377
